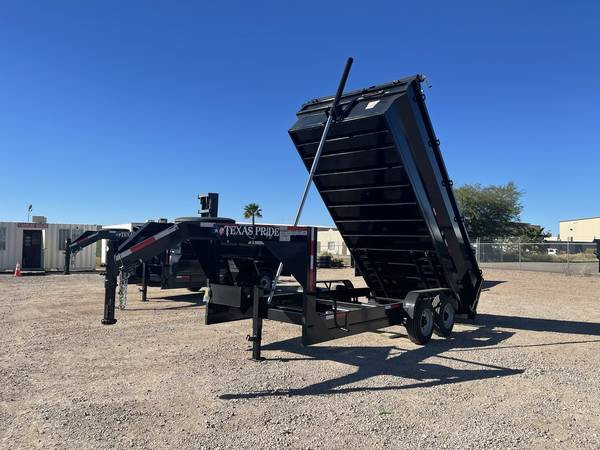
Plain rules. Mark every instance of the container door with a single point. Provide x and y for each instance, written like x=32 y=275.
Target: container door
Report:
x=32 y=249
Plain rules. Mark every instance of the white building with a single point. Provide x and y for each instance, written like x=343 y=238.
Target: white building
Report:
x=582 y=230
x=329 y=240
x=40 y=246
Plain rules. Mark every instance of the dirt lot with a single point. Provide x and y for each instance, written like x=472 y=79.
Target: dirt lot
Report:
x=526 y=374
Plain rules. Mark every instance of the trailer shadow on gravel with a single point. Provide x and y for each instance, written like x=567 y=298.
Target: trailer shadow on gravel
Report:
x=538 y=324
x=163 y=302
x=192 y=297
x=487 y=334
x=486 y=285
x=394 y=361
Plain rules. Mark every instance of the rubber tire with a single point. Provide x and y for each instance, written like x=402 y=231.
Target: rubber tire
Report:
x=441 y=312
x=416 y=332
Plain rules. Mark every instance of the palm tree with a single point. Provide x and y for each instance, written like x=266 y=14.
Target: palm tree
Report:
x=252 y=210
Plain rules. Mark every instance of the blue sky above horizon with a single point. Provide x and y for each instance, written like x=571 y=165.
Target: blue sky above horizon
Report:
x=121 y=111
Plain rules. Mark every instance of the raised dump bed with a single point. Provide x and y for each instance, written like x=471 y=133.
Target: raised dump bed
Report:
x=384 y=182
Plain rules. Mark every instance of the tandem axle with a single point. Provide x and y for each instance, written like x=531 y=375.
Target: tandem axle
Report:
x=333 y=311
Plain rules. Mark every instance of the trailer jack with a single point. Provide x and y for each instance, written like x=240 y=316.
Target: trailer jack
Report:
x=110 y=285
x=257 y=324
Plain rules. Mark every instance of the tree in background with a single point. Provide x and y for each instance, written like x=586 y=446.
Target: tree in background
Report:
x=526 y=232
x=489 y=211
x=252 y=210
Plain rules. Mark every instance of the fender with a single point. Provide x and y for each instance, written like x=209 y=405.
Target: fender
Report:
x=411 y=299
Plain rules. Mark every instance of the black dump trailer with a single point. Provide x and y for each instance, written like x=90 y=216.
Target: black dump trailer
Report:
x=383 y=180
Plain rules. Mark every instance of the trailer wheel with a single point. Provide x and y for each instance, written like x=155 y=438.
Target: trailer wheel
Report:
x=444 y=315
x=420 y=327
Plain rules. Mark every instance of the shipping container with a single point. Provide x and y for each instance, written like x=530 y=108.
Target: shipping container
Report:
x=39 y=246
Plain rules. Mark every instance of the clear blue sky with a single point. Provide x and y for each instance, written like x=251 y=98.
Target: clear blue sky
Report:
x=114 y=111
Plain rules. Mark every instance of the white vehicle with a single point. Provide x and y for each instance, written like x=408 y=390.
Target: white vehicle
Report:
x=553 y=251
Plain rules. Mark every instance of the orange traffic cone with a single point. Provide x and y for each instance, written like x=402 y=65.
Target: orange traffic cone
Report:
x=18 y=270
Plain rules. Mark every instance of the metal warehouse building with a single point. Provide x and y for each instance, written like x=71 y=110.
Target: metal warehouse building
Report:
x=40 y=246
x=582 y=230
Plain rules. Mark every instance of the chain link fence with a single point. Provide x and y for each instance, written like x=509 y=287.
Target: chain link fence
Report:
x=574 y=258
x=577 y=258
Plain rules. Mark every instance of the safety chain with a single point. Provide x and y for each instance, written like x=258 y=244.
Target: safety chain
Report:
x=123 y=281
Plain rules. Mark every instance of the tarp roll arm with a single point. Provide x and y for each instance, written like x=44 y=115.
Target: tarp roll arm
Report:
x=330 y=118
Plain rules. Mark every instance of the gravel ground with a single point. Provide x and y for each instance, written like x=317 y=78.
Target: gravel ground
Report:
x=524 y=375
